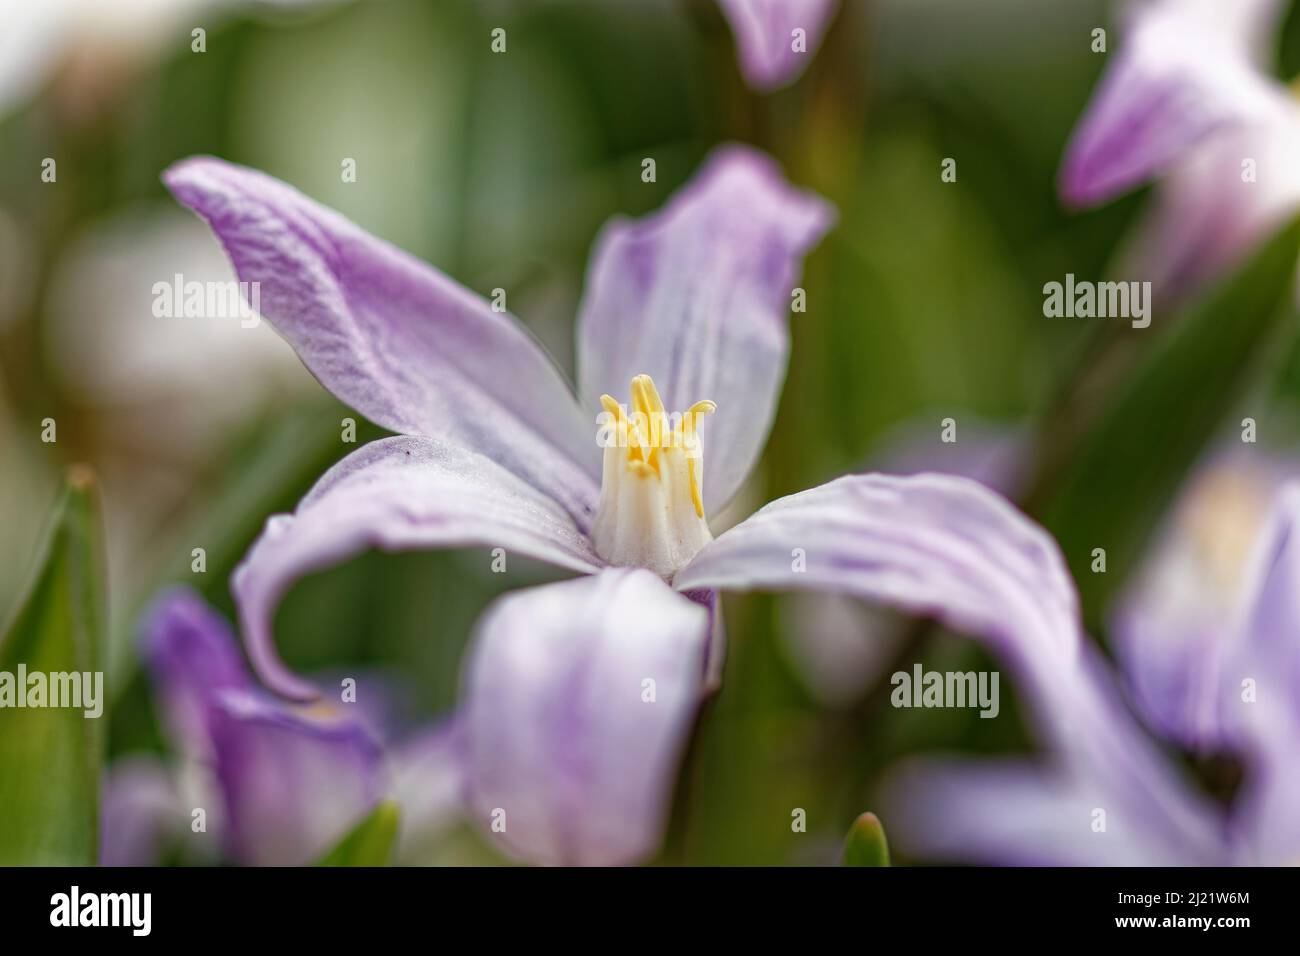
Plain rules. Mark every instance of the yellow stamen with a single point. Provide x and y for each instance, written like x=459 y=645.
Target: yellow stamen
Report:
x=611 y=406
x=320 y=711
x=704 y=407
x=650 y=409
x=646 y=396
x=646 y=433
x=651 y=511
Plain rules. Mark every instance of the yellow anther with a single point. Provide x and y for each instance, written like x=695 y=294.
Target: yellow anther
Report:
x=689 y=421
x=319 y=710
x=646 y=432
x=692 y=416
x=651 y=511
x=614 y=408
x=645 y=396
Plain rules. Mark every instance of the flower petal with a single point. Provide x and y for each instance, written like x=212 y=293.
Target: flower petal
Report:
x=293 y=782
x=1173 y=627
x=1098 y=758
x=395 y=494
x=403 y=344
x=948 y=547
x=765 y=37
x=429 y=785
x=1186 y=70
x=192 y=655
x=1264 y=715
x=838 y=645
x=1205 y=218
x=139 y=812
x=1272 y=622
x=571 y=752
x=1018 y=814
x=1173 y=668
x=929 y=544
x=697 y=296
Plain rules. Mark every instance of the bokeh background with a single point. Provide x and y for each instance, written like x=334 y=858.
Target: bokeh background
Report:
x=925 y=302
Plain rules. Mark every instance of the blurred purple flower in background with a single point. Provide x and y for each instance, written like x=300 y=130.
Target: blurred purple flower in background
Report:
x=141 y=813
x=279 y=783
x=1169 y=627
x=1190 y=99
x=578 y=696
x=776 y=38
x=1225 y=685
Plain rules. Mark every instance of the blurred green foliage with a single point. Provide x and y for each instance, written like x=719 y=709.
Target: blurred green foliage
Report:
x=50 y=756
x=370 y=843
x=1176 y=398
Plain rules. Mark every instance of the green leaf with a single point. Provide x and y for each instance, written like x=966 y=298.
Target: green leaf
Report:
x=370 y=843
x=1127 y=466
x=50 y=757
x=866 y=844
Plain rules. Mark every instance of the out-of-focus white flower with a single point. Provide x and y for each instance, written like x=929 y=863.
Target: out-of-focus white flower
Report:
x=111 y=351
x=96 y=40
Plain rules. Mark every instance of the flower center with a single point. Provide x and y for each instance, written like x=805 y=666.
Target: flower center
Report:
x=320 y=712
x=1227 y=511
x=651 y=512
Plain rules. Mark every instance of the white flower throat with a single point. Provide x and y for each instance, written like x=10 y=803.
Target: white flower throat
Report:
x=651 y=512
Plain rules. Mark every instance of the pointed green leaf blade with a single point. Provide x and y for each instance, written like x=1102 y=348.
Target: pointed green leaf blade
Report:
x=50 y=757
x=371 y=841
x=866 y=844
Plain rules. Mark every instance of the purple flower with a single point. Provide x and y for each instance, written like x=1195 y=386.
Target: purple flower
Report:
x=1169 y=629
x=1105 y=793
x=140 y=812
x=1189 y=99
x=279 y=783
x=776 y=38
x=577 y=697
x=291 y=780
